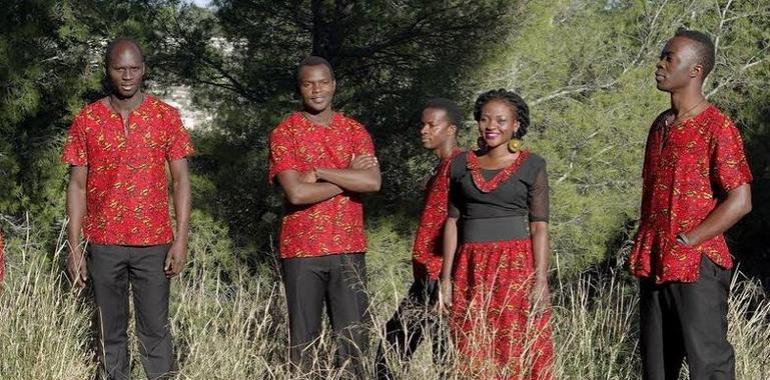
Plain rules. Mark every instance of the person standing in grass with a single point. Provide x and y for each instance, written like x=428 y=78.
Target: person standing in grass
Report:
x=415 y=318
x=323 y=161
x=118 y=148
x=696 y=186
x=495 y=285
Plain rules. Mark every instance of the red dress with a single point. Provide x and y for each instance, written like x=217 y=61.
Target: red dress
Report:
x=495 y=333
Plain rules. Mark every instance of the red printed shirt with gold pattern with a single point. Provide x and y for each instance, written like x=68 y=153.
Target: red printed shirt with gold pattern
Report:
x=684 y=179
x=333 y=226
x=427 y=252
x=127 y=188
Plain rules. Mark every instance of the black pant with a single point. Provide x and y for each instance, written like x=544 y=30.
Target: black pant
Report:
x=687 y=320
x=111 y=269
x=410 y=323
x=339 y=281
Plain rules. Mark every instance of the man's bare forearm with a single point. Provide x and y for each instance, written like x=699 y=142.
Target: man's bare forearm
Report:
x=182 y=198
x=76 y=206
x=449 y=248
x=299 y=192
x=355 y=180
x=311 y=193
x=724 y=216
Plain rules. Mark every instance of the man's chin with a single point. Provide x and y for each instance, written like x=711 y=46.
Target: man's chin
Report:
x=662 y=86
x=316 y=108
x=124 y=95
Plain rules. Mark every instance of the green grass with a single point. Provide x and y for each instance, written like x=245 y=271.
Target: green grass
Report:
x=236 y=328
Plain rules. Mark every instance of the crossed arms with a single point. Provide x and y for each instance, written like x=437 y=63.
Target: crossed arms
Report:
x=320 y=184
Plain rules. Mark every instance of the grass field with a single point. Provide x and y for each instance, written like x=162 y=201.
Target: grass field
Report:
x=236 y=329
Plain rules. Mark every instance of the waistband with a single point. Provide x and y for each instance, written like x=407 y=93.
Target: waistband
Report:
x=494 y=229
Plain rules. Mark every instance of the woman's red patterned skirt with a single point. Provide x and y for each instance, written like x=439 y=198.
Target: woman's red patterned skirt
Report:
x=495 y=334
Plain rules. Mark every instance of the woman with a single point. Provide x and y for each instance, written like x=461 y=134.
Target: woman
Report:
x=496 y=285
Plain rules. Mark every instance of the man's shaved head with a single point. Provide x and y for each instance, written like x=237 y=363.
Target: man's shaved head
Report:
x=120 y=43
x=704 y=48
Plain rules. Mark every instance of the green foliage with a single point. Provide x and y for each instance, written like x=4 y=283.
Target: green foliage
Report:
x=50 y=67
x=389 y=57
x=585 y=68
x=587 y=73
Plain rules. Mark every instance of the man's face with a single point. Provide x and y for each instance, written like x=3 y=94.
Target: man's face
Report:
x=125 y=70
x=677 y=64
x=436 y=128
x=317 y=87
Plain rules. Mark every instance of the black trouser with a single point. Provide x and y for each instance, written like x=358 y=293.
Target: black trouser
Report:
x=410 y=323
x=339 y=281
x=687 y=320
x=111 y=269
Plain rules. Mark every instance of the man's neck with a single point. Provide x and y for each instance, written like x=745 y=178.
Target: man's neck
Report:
x=323 y=118
x=126 y=105
x=686 y=100
x=445 y=150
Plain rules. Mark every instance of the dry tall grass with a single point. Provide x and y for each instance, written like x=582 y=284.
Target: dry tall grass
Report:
x=236 y=329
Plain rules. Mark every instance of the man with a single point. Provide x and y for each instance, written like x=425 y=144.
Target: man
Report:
x=696 y=186
x=414 y=318
x=323 y=160
x=118 y=148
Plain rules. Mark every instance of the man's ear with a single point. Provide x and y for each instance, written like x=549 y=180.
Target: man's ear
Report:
x=696 y=71
x=452 y=129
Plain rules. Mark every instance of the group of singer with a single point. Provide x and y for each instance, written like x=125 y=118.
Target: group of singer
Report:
x=481 y=249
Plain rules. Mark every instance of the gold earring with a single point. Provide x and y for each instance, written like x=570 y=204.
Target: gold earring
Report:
x=515 y=145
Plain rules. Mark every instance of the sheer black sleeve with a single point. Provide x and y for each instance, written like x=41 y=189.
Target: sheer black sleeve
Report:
x=456 y=171
x=453 y=211
x=537 y=197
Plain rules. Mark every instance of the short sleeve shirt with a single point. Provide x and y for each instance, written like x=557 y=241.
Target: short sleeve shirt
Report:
x=127 y=187
x=333 y=226
x=684 y=178
x=427 y=252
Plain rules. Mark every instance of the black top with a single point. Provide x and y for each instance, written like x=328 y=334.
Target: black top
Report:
x=505 y=212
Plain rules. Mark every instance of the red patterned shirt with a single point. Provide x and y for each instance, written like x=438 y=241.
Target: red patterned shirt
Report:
x=684 y=179
x=427 y=253
x=127 y=188
x=333 y=226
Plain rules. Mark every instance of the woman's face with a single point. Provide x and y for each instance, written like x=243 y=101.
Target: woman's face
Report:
x=498 y=123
